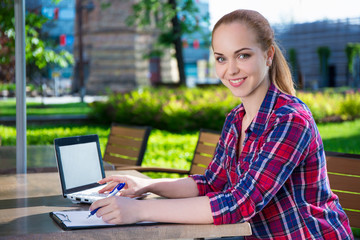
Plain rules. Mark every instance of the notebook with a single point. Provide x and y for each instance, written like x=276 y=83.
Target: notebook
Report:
x=80 y=167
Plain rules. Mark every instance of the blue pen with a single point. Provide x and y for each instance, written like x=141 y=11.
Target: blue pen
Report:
x=112 y=193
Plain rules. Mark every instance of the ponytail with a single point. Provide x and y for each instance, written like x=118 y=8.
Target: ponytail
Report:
x=280 y=74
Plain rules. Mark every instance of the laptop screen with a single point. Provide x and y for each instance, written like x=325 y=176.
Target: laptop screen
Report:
x=79 y=162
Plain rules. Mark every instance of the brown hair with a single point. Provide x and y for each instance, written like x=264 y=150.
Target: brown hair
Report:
x=279 y=71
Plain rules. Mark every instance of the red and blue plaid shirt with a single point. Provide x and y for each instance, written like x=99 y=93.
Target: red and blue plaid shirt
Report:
x=279 y=183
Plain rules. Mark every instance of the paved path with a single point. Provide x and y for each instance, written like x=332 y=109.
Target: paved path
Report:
x=11 y=120
x=62 y=99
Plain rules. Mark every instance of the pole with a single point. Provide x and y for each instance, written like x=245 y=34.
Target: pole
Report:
x=80 y=45
x=20 y=78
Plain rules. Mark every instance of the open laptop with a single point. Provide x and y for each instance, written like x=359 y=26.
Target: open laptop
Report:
x=80 y=167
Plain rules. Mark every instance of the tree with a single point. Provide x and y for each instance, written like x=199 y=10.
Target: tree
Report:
x=172 y=19
x=353 y=54
x=324 y=54
x=38 y=52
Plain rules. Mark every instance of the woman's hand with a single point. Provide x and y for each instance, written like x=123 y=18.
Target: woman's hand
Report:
x=134 y=187
x=117 y=210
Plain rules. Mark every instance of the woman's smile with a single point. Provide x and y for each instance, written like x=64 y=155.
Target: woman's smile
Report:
x=236 y=82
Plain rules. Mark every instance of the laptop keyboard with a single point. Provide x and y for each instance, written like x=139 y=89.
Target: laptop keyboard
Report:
x=93 y=194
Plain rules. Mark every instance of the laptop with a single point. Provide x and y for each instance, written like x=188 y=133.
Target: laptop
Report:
x=80 y=167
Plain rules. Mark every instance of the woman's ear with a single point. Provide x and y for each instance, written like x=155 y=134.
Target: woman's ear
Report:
x=270 y=55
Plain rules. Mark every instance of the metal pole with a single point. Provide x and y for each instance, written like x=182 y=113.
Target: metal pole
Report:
x=20 y=77
x=81 y=61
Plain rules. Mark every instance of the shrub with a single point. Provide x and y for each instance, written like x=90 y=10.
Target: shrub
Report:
x=167 y=109
x=321 y=105
x=191 y=109
x=349 y=108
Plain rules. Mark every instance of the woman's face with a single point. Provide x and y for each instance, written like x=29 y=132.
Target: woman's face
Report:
x=240 y=62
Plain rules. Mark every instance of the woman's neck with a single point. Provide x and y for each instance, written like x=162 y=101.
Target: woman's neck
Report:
x=253 y=102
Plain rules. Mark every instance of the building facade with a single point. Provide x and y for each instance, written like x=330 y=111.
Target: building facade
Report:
x=303 y=42
x=113 y=53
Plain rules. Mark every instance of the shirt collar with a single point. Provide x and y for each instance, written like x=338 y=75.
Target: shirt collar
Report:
x=259 y=122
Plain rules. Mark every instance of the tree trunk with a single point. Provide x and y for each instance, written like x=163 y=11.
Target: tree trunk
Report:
x=178 y=45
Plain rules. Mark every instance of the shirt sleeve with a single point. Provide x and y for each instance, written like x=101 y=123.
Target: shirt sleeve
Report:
x=285 y=144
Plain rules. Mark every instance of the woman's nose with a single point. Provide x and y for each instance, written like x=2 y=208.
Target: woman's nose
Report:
x=233 y=68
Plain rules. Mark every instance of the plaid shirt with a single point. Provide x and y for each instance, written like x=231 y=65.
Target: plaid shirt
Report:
x=279 y=183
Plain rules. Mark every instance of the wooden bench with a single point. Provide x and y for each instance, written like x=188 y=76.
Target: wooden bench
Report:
x=126 y=147
x=344 y=176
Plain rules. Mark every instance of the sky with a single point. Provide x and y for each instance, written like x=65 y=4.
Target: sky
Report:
x=289 y=11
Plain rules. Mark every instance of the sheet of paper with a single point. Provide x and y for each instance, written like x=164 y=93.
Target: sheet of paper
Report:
x=79 y=219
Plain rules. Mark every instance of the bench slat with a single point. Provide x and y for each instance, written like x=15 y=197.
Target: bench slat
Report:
x=344 y=183
x=115 y=140
x=119 y=161
x=343 y=165
x=124 y=131
x=350 y=201
x=199 y=159
x=209 y=138
x=201 y=148
x=122 y=151
x=197 y=170
x=354 y=218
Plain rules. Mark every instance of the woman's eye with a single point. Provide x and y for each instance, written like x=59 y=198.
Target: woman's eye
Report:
x=220 y=59
x=244 y=56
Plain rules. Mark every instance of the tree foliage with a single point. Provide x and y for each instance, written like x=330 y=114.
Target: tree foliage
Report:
x=39 y=52
x=171 y=19
x=159 y=14
x=352 y=50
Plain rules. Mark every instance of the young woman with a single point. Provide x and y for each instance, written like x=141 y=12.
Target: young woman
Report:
x=269 y=167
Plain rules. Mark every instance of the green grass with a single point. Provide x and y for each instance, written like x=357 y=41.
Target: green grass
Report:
x=172 y=150
x=8 y=108
x=175 y=150
x=341 y=137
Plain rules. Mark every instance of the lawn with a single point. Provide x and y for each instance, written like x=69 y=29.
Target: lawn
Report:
x=341 y=137
x=8 y=108
x=175 y=150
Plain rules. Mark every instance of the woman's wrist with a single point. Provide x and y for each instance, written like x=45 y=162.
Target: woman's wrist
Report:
x=185 y=210
x=142 y=210
x=173 y=188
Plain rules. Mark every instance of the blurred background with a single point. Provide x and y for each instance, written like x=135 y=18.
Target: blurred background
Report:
x=90 y=47
x=91 y=63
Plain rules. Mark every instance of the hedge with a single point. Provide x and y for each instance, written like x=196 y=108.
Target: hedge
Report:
x=194 y=108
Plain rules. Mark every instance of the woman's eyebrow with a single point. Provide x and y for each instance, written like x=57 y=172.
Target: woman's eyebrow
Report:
x=237 y=51
x=218 y=53
x=241 y=49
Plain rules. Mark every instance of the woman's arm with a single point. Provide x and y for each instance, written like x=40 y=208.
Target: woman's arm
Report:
x=173 y=188
x=169 y=188
x=284 y=145
x=121 y=210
